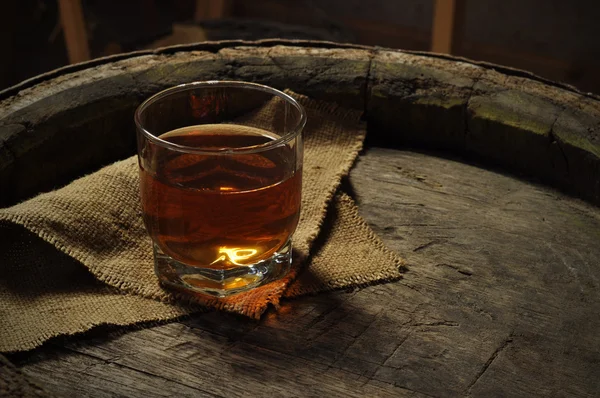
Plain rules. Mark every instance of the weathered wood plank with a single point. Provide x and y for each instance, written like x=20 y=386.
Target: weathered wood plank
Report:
x=505 y=259
x=546 y=131
x=520 y=124
x=90 y=113
x=501 y=298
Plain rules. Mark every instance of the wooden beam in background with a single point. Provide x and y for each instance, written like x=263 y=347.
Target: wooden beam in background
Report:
x=448 y=20
x=73 y=24
x=211 y=9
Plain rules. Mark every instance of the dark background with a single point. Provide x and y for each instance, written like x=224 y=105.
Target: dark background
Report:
x=557 y=39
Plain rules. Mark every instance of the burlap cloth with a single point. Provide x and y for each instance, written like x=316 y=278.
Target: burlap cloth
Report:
x=79 y=256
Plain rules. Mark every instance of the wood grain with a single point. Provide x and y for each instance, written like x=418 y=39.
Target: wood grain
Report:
x=501 y=298
x=502 y=293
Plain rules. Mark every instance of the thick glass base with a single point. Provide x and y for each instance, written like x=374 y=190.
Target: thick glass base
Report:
x=221 y=283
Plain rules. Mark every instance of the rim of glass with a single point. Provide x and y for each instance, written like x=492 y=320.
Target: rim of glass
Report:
x=220 y=83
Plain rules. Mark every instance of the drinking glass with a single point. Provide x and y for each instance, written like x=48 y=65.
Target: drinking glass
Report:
x=220 y=183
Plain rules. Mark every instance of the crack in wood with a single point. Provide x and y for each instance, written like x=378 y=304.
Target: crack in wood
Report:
x=275 y=62
x=319 y=73
x=356 y=338
x=428 y=244
x=332 y=366
x=402 y=183
x=482 y=312
x=368 y=83
x=554 y=140
x=593 y=279
x=320 y=317
x=570 y=269
x=396 y=349
x=413 y=288
x=505 y=343
x=467 y=112
x=456 y=268
x=438 y=323
x=120 y=365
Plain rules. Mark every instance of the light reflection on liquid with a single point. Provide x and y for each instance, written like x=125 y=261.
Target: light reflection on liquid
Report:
x=234 y=255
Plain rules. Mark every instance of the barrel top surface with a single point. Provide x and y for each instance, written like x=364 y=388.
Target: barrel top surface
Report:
x=501 y=295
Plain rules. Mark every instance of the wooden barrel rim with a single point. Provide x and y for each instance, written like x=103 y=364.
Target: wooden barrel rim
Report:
x=213 y=46
x=501 y=293
x=499 y=115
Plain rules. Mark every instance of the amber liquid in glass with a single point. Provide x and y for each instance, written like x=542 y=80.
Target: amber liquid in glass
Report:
x=221 y=211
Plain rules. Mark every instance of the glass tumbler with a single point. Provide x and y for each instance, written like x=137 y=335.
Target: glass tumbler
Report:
x=220 y=183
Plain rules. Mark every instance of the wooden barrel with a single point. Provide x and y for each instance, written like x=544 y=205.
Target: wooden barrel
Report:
x=501 y=297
